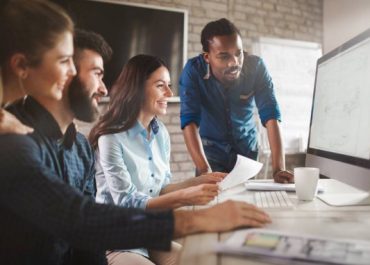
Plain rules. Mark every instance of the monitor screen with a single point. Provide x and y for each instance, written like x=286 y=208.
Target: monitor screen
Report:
x=339 y=141
x=133 y=29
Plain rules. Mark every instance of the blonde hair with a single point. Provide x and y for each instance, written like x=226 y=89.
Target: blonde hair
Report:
x=31 y=28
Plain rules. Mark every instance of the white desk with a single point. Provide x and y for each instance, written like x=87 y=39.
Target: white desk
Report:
x=314 y=217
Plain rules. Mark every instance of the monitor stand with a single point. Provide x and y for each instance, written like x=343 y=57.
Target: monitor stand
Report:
x=340 y=194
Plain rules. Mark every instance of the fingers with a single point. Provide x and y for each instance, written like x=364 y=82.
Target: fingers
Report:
x=284 y=176
x=22 y=129
x=209 y=193
x=213 y=188
x=212 y=177
x=205 y=200
x=255 y=214
x=10 y=124
x=248 y=215
x=220 y=175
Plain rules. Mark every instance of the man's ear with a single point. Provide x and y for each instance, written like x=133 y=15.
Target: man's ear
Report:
x=206 y=57
x=19 y=65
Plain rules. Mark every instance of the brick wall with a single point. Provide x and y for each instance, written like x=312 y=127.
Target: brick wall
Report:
x=291 y=19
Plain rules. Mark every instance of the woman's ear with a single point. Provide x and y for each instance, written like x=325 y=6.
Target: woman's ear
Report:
x=19 y=65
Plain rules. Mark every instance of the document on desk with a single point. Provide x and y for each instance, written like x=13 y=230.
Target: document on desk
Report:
x=269 y=244
x=244 y=169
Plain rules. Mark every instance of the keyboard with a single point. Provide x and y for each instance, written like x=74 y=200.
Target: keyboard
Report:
x=272 y=200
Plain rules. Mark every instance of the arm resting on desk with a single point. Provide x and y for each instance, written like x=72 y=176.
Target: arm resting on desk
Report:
x=220 y=218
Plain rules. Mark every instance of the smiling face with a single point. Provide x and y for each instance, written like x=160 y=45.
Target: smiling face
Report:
x=47 y=79
x=87 y=88
x=157 y=92
x=225 y=58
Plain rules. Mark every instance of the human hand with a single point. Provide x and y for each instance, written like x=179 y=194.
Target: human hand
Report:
x=198 y=195
x=233 y=214
x=10 y=124
x=211 y=178
x=283 y=176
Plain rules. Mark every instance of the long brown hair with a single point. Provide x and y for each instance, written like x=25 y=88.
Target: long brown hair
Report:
x=126 y=97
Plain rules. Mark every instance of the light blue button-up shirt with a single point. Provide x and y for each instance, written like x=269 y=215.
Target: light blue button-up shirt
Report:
x=132 y=169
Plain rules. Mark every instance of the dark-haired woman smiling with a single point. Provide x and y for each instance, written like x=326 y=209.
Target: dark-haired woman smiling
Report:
x=133 y=145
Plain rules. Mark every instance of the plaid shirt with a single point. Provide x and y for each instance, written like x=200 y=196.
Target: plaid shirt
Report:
x=45 y=221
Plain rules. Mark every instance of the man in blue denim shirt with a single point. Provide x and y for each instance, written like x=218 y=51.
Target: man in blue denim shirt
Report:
x=218 y=92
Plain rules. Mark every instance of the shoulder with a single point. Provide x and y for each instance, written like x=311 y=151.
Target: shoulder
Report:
x=19 y=145
x=253 y=65
x=18 y=110
x=82 y=141
x=161 y=124
x=162 y=128
x=196 y=64
x=252 y=60
x=112 y=139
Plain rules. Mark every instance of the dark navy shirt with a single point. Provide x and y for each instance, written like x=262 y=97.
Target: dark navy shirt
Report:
x=44 y=220
x=70 y=155
x=225 y=115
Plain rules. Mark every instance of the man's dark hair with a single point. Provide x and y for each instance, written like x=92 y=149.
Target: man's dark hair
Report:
x=90 y=40
x=219 y=27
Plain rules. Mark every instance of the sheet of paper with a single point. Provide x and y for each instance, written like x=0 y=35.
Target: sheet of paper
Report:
x=244 y=169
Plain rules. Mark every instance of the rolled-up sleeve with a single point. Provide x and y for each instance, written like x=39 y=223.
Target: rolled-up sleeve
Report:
x=123 y=191
x=189 y=96
x=265 y=98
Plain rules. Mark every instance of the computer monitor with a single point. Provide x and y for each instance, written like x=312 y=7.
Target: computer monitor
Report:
x=339 y=137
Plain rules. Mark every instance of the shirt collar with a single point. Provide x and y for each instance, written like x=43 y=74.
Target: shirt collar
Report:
x=45 y=123
x=139 y=128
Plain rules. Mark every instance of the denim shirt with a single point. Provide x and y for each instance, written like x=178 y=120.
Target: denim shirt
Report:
x=225 y=116
x=69 y=155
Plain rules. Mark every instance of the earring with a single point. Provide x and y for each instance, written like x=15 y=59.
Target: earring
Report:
x=23 y=75
x=208 y=73
x=20 y=84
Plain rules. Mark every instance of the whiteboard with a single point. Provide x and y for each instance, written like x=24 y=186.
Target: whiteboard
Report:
x=292 y=66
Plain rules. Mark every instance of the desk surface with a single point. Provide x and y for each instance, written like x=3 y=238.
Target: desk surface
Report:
x=313 y=217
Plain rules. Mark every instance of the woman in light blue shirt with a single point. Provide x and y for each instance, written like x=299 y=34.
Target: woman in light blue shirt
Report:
x=133 y=146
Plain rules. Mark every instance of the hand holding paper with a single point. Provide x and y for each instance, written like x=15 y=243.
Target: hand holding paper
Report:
x=244 y=169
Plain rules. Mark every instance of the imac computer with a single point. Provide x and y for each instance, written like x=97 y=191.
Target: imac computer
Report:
x=339 y=137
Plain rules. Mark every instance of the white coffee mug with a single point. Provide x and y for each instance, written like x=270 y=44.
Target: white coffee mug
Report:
x=306 y=180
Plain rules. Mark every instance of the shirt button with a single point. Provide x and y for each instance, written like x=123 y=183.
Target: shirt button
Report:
x=150 y=158
x=152 y=175
x=150 y=190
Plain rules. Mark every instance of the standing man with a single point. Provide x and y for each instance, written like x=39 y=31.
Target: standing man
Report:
x=218 y=91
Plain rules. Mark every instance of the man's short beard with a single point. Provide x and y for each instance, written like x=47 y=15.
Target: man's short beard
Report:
x=81 y=102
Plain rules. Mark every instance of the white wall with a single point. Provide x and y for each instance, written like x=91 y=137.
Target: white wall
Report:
x=342 y=20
